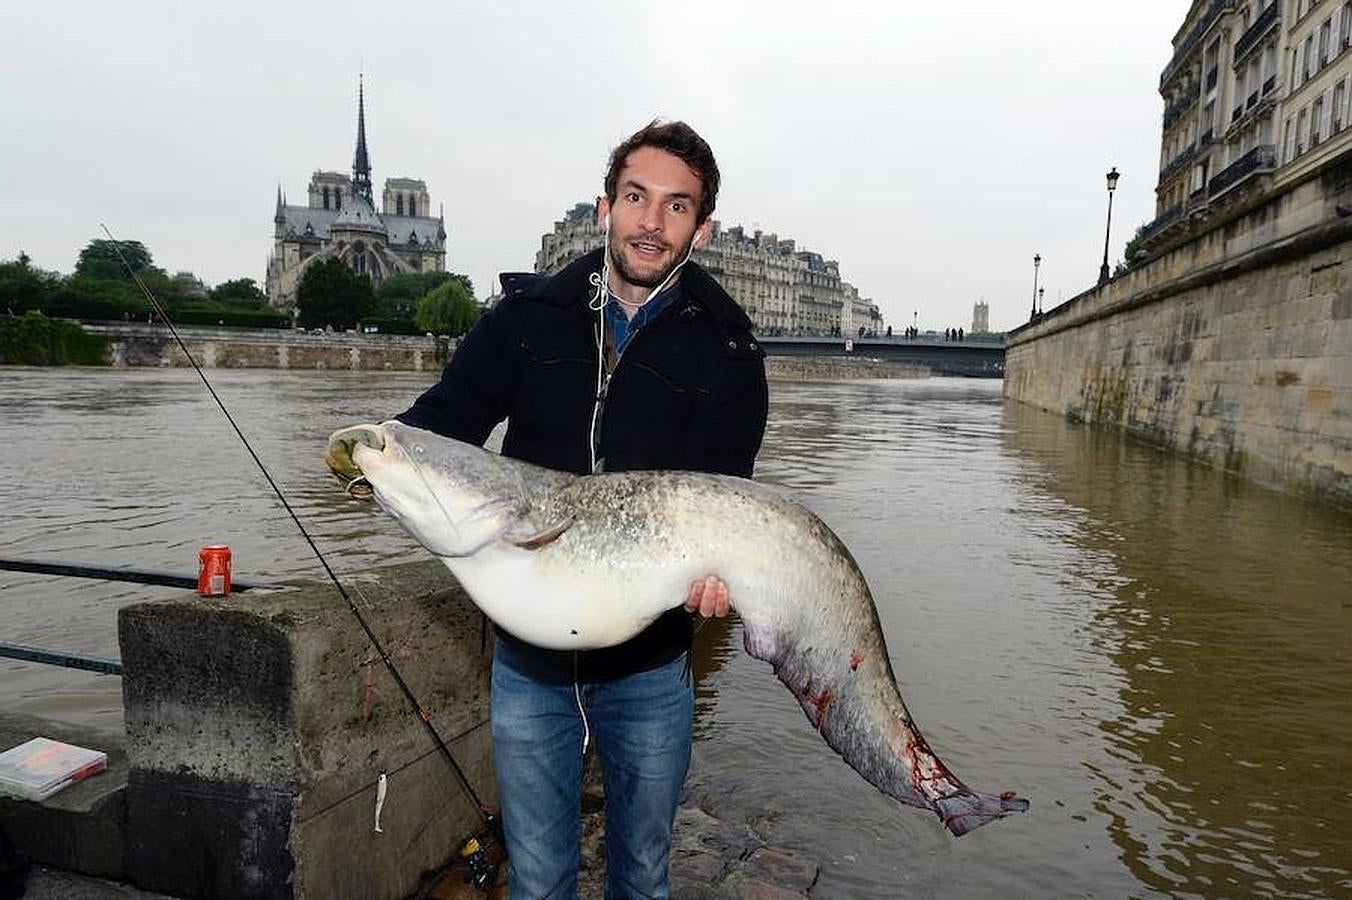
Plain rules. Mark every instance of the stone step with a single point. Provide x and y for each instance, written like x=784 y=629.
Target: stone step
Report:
x=82 y=827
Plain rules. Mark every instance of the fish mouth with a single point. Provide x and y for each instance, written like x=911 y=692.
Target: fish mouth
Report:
x=339 y=457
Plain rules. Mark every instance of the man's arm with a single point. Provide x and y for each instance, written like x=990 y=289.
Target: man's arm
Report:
x=476 y=387
x=729 y=423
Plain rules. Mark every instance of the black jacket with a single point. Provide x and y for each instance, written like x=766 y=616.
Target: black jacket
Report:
x=688 y=392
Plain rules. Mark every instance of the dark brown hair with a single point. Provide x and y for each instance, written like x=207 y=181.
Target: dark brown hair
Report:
x=681 y=141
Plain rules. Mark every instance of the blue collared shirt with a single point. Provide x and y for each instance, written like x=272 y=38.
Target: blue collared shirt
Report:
x=623 y=328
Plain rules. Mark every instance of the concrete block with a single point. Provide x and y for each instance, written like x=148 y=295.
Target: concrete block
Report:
x=258 y=726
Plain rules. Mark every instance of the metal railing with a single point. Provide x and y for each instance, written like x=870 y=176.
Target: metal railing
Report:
x=1255 y=32
x=1162 y=221
x=1262 y=158
x=1194 y=35
x=71 y=660
x=1178 y=162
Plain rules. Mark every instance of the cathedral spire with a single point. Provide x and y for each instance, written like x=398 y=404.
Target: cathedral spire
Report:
x=361 y=162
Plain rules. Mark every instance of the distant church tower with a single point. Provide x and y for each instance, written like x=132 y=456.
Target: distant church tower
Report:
x=981 y=317
x=340 y=221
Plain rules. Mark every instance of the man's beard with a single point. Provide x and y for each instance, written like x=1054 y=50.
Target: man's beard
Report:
x=639 y=279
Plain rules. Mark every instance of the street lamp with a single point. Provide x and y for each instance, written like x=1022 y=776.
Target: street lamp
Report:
x=1040 y=307
x=1037 y=261
x=1112 y=186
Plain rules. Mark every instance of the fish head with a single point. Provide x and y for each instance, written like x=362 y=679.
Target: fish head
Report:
x=442 y=491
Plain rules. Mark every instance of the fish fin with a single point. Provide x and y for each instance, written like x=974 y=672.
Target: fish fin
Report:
x=967 y=810
x=482 y=526
x=540 y=538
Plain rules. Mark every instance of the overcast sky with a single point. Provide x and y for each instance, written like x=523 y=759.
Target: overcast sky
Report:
x=930 y=148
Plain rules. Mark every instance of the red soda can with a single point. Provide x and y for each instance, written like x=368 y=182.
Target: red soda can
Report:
x=213 y=573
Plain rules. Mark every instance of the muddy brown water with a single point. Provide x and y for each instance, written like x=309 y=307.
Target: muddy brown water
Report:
x=1157 y=655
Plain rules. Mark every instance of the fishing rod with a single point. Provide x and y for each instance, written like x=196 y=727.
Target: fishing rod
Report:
x=486 y=814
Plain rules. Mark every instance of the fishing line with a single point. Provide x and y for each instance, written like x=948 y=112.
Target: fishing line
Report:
x=485 y=813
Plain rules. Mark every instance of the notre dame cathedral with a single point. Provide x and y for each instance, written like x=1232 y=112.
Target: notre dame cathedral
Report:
x=340 y=221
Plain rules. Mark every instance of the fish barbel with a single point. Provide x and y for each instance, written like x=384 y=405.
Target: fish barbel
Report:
x=571 y=562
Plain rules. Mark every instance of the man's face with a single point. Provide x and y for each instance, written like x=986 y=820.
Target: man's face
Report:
x=652 y=220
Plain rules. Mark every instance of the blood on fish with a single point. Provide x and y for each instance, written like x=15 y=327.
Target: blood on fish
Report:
x=819 y=701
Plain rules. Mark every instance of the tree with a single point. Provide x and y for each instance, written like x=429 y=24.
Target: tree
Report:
x=99 y=259
x=22 y=287
x=1132 y=254
x=450 y=309
x=332 y=294
x=398 y=296
x=239 y=292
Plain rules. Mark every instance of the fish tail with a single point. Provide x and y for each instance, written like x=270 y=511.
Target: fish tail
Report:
x=964 y=811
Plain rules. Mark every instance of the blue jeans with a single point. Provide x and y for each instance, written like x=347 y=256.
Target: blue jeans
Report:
x=641 y=728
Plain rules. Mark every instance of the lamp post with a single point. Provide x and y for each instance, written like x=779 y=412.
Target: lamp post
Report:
x=1037 y=261
x=1040 y=307
x=1112 y=186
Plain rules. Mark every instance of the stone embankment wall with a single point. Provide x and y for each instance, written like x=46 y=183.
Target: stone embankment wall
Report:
x=236 y=348
x=836 y=368
x=1235 y=347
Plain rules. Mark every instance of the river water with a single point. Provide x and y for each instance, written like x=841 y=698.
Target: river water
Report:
x=1157 y=655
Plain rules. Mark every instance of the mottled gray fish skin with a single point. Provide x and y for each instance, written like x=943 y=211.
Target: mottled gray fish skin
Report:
x=637 y=539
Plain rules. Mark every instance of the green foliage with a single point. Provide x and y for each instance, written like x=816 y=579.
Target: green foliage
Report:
x=35 y=340
x=23 y=287
x=331 y=294
x=379 y=325
x=101 y=289
x=240 y=292
x=84 y=297
x=99 y=259
x=1132 y=254
x=450 y=309
x=231 y=317
x=398 y=295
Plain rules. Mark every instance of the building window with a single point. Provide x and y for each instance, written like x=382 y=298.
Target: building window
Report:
x=1316 y=120
x=1289 y=142
x=1339 y=99
x=1310 y=65
x=338 y=198
x=398 y=204
x=1302 y=131
x=326 y=197
x=1347 y=23
x=1324 y=43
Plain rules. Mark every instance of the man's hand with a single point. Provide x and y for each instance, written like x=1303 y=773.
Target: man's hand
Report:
x=708 y=597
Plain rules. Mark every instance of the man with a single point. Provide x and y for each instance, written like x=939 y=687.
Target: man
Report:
x=632 y=357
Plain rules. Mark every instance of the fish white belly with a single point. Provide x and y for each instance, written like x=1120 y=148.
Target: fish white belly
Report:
x=550 y=607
